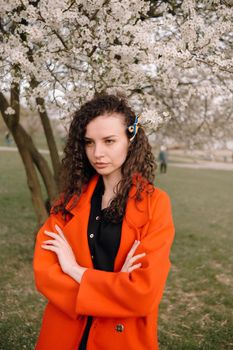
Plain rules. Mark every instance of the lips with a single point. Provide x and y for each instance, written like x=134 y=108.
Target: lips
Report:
x=101 y=165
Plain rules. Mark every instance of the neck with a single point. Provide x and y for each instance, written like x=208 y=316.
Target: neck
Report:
x=110 y=181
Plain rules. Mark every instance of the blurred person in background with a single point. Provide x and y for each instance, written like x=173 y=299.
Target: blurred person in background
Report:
x=7 y=138
x=163 y=159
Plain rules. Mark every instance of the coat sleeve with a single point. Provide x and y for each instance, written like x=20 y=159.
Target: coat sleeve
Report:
x=119 y=294
x=59 y=288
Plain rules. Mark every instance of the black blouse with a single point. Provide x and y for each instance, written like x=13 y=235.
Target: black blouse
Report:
x=103 y=239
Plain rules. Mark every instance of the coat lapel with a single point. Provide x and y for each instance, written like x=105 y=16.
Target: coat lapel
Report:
x=76 y=229
x=136 y=216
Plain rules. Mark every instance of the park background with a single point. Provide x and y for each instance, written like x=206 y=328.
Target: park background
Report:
x=173 y=60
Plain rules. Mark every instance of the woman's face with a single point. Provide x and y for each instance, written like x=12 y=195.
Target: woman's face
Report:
x=106 y=143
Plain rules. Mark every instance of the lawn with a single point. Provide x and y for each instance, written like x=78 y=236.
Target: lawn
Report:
x=196 y=310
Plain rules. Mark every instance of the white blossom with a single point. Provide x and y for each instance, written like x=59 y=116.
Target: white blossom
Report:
x=10 y=111
x=168 y=63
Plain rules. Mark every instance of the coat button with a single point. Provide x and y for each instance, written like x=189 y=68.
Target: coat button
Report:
x=91 y=235
x=119 y=328
x=97 y=217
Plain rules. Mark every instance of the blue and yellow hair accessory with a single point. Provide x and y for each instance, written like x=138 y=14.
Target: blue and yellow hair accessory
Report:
x=134 y=128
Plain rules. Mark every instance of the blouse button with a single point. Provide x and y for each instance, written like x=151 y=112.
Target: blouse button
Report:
x=119 y=328
x=91 y=235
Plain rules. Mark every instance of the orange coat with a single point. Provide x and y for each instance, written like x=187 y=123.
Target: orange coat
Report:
x=124 y=306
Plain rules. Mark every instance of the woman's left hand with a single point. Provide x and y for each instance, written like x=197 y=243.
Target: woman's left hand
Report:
x=61 y=247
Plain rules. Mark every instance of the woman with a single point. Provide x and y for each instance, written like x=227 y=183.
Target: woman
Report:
x=102 y=257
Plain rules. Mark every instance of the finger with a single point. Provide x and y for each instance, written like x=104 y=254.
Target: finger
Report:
x=134 y=267
x=54 y=242
x=133 y=249
x=50 y=247
x=59 y=230
x=54 y=235
x=136 y=257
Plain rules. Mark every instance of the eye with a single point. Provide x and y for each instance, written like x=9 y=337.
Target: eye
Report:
x=87 y=142
x=109 y=141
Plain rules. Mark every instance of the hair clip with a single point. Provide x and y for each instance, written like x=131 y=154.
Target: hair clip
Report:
x=134 y=128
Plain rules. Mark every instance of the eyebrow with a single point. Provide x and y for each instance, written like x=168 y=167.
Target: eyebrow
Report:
x=104 y=138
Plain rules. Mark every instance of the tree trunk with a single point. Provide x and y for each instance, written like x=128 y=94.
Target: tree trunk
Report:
x=48 y=133
x=49 y=137
x=42 y=166
x=29 y=155
x=32 y=177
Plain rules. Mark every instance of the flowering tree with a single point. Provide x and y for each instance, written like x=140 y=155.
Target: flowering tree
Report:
x=171 y=58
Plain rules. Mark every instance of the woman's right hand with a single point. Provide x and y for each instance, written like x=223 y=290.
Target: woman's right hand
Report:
x=130 y=259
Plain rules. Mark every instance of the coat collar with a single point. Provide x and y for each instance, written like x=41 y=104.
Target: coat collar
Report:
x=136 y=216
x=137 y=213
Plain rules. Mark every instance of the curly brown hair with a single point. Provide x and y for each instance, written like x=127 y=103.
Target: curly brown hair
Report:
x=76 y=171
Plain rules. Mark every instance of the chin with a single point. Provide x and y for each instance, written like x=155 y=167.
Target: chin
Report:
x=103 y=171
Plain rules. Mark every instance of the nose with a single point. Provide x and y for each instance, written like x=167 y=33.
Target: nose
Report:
x=98 y=150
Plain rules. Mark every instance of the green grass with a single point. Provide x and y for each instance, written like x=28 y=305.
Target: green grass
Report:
x=196 y=310
x=21 y=305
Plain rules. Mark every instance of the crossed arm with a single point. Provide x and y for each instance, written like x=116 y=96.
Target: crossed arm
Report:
x=66 y=257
